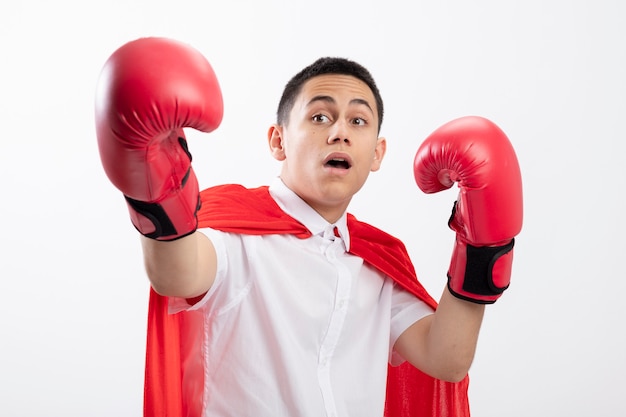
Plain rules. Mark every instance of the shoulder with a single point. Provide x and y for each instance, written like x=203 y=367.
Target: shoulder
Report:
x=231 y=191
x=235 y=208
x=230 y=200
x=362 y=230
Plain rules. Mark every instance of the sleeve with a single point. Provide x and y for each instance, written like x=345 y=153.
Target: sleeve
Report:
x=406 y=309
x=220 y=241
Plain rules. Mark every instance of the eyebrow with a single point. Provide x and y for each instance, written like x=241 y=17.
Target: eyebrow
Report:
x=329 y=99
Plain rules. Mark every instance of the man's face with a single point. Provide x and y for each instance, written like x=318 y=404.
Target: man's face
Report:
x=330 y=143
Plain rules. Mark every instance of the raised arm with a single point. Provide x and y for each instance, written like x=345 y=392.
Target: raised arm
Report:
x=148 y=91
x=476 y=154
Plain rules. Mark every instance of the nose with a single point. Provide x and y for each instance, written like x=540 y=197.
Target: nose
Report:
x=339 y=133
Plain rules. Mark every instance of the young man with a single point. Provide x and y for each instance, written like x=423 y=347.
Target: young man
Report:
x=275 y=301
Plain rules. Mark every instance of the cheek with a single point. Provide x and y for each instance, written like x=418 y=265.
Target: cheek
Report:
x=367 y=165
x=297 y=155
x=375 y=164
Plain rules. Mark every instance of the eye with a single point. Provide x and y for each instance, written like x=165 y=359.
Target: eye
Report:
x=320 y=118
x=359 y=121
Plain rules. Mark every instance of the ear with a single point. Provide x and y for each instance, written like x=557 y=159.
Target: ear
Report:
x=275 y=142
x=379 y=154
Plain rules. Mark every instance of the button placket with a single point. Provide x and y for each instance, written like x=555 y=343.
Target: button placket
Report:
x=337 y=318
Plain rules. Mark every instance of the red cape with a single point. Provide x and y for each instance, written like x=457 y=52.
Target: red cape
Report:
x=174 y=379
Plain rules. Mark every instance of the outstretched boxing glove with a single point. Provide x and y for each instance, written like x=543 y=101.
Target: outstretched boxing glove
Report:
x=476 y=154
x=148 y=91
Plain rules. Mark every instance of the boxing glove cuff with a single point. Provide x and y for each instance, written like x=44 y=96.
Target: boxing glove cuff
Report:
x=480 y=274
x=170 y=218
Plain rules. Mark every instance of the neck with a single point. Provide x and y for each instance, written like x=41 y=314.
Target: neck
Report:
x=330 y=213
x=330 y=210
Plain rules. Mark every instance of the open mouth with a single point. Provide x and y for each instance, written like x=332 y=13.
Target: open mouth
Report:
x=338 y=163
x=338 y=160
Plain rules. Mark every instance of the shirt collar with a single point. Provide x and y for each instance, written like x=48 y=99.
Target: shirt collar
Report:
x=297 y=208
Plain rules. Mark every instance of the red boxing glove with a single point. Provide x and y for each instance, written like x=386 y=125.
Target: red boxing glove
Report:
x=148 y=91
x=488 y=212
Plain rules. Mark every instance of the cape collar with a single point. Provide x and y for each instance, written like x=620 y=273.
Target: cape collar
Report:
x=297 y=208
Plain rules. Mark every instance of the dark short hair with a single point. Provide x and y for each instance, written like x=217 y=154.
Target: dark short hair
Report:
x=322 y=66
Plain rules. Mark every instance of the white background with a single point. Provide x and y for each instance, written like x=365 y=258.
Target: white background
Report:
x=549 y=73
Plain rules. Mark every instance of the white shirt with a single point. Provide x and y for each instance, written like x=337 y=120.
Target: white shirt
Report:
x=299 y=327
